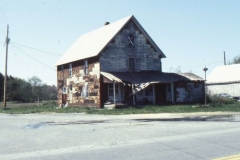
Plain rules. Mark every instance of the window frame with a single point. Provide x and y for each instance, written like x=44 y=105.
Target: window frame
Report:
x=70 y=70
x=131 y=64
x=86 y=71
x=110 y=89
x=130 y=39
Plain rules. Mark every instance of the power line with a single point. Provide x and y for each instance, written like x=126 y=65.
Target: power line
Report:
x=203 y=65
x=198 y=65
x=33 y=57
x=1 y=30
x=36 y=49
x=4 y=15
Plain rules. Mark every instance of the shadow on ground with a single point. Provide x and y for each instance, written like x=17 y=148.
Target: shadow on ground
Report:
x=43 y=124
x=228 y=118
x=223 y=118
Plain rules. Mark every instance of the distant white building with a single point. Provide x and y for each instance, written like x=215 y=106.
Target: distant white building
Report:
x=224 y=79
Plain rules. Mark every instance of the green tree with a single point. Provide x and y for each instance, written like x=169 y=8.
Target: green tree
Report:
x=235 y=60
x=27 y=91
x=1 y=86
x=19 y=90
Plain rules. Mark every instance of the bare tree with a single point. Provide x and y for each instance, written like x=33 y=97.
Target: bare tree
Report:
x=35 y=81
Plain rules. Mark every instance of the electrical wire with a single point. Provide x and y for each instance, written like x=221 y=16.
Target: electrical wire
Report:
x=198 y=65
x=1 y=30
x=4 y=15
x=36 y=49
x=32 y=57
x=203 y=65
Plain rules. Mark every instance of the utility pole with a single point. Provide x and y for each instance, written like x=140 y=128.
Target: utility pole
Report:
x=205 y=94
x=224 y=58
x=5 y=77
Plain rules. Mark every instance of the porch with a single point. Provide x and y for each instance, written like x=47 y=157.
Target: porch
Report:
x=136 y=88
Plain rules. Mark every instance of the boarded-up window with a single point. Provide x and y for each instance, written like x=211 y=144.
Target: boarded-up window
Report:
x=130 y=40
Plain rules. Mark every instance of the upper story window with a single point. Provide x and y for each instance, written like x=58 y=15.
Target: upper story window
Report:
x=62 y=68
x=70 y=69
x=131 y=64
x=85 y=66
x=130 y=39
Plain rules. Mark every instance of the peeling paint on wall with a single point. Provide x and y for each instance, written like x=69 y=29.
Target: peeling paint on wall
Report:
x=81 y=89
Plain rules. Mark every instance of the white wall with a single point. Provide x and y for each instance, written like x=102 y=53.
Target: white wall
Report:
x=233 y=89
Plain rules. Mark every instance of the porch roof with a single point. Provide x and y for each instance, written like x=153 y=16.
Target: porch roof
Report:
x=150 y=77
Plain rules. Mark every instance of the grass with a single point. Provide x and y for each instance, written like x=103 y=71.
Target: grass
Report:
x=48 y=107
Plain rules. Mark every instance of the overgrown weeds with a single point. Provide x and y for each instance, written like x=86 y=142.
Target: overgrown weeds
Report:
x=217 y=100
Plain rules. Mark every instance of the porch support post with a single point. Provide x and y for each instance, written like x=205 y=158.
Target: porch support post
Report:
x=114 y=93
x=172 y=91
x=154 y=95
x=134 y=102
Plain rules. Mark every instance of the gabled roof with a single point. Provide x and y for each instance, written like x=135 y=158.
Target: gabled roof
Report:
x=92 y=43
x=224 y=74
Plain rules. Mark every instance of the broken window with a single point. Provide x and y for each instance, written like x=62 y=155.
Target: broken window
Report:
x=85 y=66
x=131 y=64
x=130 y=40
x=70 y=69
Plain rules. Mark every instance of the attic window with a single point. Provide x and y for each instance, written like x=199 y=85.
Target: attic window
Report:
x=130 y=39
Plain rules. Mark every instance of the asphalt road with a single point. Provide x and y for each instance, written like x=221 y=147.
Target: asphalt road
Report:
x=136 y=137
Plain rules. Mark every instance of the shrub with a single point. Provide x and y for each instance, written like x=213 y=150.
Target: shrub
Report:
x=220 y=100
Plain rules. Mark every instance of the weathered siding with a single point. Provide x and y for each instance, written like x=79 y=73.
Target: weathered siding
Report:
x=116 y=55
x=233 y=89
x=78 y=82
x=189 y=92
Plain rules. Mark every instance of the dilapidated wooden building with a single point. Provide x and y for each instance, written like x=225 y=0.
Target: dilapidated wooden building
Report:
x=120 y=63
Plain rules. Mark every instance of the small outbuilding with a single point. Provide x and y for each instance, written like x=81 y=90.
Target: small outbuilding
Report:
x=224 y=79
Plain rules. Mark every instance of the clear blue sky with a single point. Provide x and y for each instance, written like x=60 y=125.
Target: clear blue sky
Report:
x=191 y=33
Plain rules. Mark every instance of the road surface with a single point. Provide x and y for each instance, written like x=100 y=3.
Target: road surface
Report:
x=136 y=137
